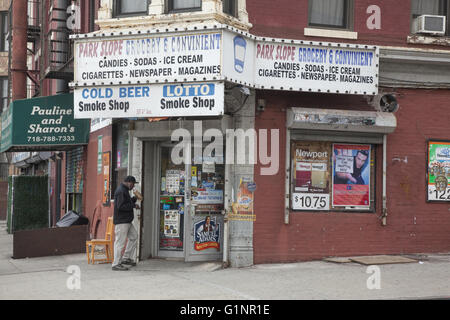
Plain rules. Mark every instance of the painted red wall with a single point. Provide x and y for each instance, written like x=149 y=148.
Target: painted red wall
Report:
x=413 y=225
x=94 y=209
x=288 y=18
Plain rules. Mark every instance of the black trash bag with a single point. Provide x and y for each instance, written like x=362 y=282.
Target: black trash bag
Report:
x=72 y=218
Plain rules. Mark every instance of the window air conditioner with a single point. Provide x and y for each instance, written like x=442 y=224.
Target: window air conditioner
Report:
x=429 y=24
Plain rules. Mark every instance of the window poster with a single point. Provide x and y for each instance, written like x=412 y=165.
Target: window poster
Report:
x=99 y=154
x=351 y=175
x=171 y=223
x=438 y=171
x=206 y=233
x=311 y=176
x=172 y=181
x=106 y=161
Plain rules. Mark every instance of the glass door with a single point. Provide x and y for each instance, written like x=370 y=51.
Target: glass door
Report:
x=191 y=204
x=204 y=223
x=171 y=206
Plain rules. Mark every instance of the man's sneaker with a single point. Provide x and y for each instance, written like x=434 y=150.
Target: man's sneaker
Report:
x=119 y=267
x=129 y=262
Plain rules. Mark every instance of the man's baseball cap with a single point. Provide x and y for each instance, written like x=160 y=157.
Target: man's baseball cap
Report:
x=130 y=179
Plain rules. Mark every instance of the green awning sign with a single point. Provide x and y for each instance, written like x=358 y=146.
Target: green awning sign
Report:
x=44 y=123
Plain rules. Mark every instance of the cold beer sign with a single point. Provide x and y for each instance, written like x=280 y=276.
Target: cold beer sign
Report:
x=156 y=100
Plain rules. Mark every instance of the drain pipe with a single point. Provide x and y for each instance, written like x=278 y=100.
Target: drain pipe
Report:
x=225 y=262
x=384 y=214
x=229 y=188
x=19 y=49
x=287 y=177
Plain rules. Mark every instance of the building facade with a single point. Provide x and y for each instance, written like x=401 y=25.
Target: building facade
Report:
x=345 y=102
x=402 y=214
x=4 y=85
x=183 y=215
x=38 y=62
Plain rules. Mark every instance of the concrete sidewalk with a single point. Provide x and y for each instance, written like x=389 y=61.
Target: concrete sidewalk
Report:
x=48 y=278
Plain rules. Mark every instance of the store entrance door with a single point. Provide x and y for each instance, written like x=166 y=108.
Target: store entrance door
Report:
x=172 y=205
x=182 y=210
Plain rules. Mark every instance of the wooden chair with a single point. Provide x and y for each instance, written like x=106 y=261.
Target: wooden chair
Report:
x=107 y=243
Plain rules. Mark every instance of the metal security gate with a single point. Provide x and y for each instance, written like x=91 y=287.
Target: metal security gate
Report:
x=74 y=179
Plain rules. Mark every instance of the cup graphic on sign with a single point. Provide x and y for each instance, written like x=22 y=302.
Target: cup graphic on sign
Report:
x=240 y=46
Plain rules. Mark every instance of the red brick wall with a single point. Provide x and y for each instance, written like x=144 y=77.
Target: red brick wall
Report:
x=288 y=18
x=413 y=225
x=94 y=209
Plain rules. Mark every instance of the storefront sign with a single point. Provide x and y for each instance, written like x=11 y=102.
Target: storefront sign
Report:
x=438 y=181
x=316 y=67
x=44 y=123
x=99 y=123
x=157 y=100
x=351 y=175
x=238 y=58
x=312 y=187
x=207 y=234
x=171 y=57
x=226 y=54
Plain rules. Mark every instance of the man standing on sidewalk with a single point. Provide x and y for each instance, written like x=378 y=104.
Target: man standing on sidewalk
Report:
x=124 y=229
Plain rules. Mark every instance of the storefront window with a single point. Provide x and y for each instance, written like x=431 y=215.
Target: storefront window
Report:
x=120 y=156
x=330 y=176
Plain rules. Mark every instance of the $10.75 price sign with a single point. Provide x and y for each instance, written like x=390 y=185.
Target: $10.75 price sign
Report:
x=310 y=201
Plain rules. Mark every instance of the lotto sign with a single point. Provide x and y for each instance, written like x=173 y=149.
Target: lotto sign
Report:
x=157 y=100
x=438 y=171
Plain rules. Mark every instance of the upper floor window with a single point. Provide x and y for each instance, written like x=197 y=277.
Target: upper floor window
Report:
x=330 y=13
x=431 y=7
x=184 y=5
x=4 y=30
x=3 y=94
x=230 y=7
x=129 y=8
x=92 y=15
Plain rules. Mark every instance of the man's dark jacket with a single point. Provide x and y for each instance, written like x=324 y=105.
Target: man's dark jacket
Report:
x=123 y=205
